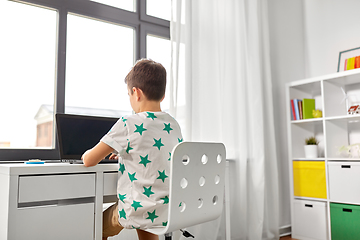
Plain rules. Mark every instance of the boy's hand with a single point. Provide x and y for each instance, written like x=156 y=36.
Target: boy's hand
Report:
x=93 y=156
x=83 y=156
x=114 y=156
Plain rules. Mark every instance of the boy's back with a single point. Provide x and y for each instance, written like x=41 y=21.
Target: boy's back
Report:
x=144 y=142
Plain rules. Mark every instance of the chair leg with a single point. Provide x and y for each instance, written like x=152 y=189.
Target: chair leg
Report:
x=168 y=236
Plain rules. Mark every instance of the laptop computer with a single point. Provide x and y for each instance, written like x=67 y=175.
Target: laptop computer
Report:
x=78 y=133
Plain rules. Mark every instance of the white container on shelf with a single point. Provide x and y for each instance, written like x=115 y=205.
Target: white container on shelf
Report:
x=311 y=151
x=344 y=182
x=309 y=220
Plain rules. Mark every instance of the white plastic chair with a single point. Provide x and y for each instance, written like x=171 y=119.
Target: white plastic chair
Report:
x=197 y=183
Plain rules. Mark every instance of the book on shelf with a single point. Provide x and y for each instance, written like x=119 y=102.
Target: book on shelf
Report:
x=357 y=62
x=302 y=108
x=308 y=107
x=345 y=65
x=296 y=105
x=350 y=63
x=293 y=109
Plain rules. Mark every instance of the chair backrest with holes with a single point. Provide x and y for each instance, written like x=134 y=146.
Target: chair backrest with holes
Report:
x=196 y=184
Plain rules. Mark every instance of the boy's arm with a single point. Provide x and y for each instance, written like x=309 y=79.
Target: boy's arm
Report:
x=93 y=156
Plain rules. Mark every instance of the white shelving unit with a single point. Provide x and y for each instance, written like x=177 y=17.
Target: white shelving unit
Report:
x=311 y=216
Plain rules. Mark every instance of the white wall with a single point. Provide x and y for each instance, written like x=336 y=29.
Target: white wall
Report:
x=306 y=37
x=287 y=64
x=331 y=26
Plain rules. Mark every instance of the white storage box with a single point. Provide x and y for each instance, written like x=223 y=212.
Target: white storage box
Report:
x=310 y=220
x=344 y=182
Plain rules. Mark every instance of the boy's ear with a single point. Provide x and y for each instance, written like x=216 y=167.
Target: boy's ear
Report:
x=138 y=93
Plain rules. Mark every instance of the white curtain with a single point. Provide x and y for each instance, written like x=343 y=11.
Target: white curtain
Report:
x=221 y=85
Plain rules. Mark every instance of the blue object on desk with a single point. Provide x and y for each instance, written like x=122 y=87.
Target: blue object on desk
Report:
x=41 y=162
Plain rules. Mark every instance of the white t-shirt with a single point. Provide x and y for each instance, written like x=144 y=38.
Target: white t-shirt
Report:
x=144 y=143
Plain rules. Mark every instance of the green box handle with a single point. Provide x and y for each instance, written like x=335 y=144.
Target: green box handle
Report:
x=347 y=210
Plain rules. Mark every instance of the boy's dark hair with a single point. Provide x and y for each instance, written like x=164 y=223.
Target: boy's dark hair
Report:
x=150 y=77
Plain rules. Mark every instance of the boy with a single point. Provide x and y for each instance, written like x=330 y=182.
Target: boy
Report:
x=143 y=143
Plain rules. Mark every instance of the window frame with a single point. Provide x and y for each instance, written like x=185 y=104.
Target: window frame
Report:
x=141 y=23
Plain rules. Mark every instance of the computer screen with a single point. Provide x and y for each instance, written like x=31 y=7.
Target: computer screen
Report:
x=78 y=133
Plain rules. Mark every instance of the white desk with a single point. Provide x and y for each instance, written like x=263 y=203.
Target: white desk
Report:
x=54 y=200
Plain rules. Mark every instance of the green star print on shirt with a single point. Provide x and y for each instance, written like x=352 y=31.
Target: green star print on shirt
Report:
x=144 y=160
x=158 y=143
x=122 y=214
x=140 y=129
x=143 y=143
x=128 y=148
x=136 y=205
x=122 y=168
x=132 y=177
x=162 y=175
x=167 y=128
x=147 y=191
x=151 y=115
x=166 y=199
x=124 y=121
x=122 y=197
x=152 y=216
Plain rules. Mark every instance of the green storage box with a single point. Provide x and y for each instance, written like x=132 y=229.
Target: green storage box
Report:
x=345 y=221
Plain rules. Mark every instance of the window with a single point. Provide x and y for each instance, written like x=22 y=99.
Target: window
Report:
x=95 y=79
x=124 y=4
x=27 y=60
x=69 y=56
x=159 y=8
x=153 y=46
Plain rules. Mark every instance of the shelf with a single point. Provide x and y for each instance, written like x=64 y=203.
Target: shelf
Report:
x=344 y=78
x=349 y=118
x=341 y=132
x=307 y=120
x=310 y=89
x=352 y=203
x=308 y=159
x=311 y=199
x=333 y=170
x=303 y=130
x=343 y=159
x=340 y=159
x=335 y=91
x=349 y=77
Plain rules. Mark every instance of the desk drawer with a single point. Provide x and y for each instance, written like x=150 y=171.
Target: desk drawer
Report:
x=54 y=222
x=55 y=187
x=110 y=183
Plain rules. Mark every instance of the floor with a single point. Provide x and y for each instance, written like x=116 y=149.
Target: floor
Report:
x=287 y=238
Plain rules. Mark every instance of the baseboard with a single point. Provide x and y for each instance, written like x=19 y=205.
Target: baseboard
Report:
x=285 y=230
